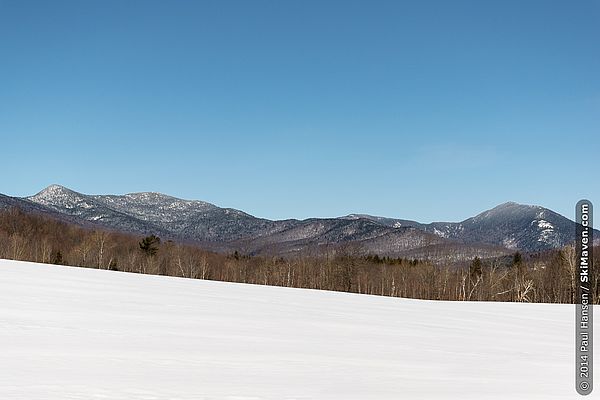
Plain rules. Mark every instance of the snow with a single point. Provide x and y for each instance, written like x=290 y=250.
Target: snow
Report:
x=542 y=224
x=510 y=243
x=439 y=233
x=74 y=333
x=547 y=233
x=540 y=214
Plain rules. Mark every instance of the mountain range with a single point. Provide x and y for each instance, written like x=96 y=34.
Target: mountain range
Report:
x=500 y=231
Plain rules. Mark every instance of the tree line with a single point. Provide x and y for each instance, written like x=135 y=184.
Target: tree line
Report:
x=544 y=277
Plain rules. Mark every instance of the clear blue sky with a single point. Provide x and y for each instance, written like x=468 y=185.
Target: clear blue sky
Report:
x=429 y=110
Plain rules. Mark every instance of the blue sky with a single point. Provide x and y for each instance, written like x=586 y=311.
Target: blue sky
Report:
x=428 y=110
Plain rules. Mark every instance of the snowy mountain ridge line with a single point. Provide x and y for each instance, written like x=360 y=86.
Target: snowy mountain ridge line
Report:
x=509 y=226
x=80 y=333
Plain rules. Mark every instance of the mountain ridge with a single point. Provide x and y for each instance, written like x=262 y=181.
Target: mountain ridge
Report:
x=501 y=230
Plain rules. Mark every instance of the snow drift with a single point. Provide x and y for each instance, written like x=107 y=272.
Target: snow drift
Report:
x=74 y=333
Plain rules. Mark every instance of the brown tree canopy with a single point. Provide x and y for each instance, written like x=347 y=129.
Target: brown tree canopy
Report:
x=543 y=277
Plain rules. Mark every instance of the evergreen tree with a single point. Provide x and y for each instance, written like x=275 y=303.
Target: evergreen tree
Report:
x=517 y=259
x=149 y=245
x=475 y=270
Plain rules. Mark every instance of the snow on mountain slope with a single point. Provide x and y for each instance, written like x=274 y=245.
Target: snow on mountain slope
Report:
x=73 y=333
x=149 y=212
x=508 y=227
x=516 y=226
x=155 y=207
x=511 y=225
x=85 y=208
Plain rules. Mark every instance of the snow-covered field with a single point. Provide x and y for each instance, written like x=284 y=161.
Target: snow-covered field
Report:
x=72 y=333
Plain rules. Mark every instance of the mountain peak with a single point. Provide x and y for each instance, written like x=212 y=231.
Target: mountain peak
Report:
x=55 y=188
x=59 y=197
x=508 y=204
x=53 y=191
x=510 y=207
x=150 y=195
x=512 y=204
x=161 y=198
